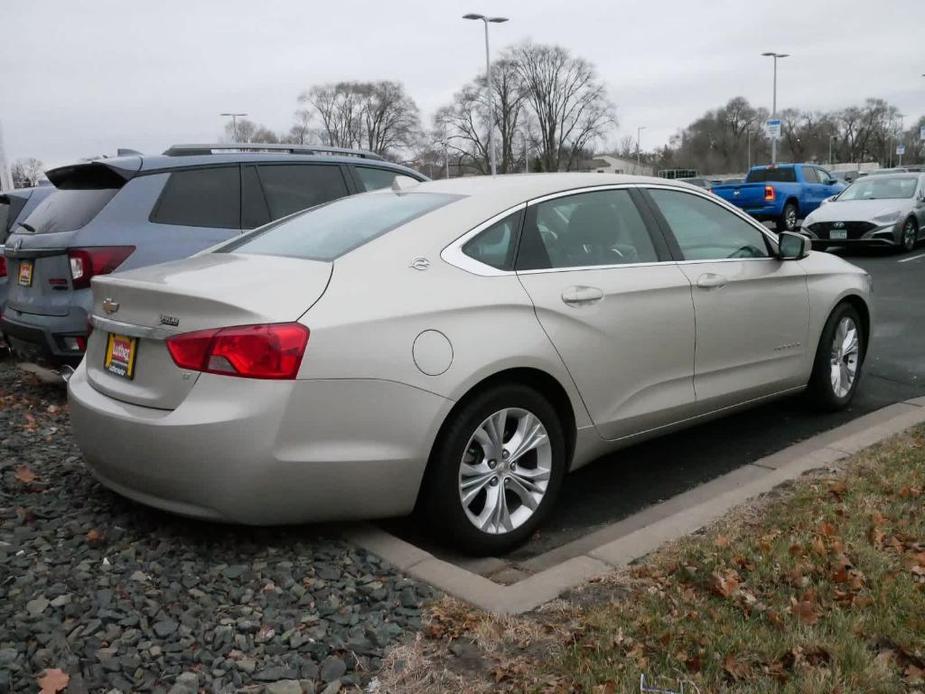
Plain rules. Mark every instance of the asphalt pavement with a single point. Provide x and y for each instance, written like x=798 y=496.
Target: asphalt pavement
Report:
x=627 y=481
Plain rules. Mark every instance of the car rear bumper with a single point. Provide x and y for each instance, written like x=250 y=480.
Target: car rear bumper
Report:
x=264 y=452
x=43 y=337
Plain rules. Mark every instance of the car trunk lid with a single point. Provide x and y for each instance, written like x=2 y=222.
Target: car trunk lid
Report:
x=213 y=290
x=742 y=194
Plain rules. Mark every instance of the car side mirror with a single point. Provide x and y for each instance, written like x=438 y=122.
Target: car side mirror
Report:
x=831 y=182
x=792 y=246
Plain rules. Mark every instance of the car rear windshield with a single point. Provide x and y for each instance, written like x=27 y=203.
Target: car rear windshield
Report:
x=4 y=220
x=67 y=210
x=328 y=231
x=786 y=174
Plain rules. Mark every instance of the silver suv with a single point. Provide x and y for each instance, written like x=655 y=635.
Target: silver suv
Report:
x=132 y=211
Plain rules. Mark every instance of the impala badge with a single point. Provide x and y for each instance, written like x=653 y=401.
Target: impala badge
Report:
x=110 y=306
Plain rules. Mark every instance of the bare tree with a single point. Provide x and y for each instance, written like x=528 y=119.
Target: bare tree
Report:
x=568 y=105
x=240 y=130
x=378 y=116
x=27 y=172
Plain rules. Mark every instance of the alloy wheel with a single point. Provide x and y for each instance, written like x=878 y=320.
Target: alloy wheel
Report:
x=909 y=235
x=505 y=470
x=846 y=350
x=791 y=218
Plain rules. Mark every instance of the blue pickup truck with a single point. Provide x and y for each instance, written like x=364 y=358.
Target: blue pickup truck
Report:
x=781 y=193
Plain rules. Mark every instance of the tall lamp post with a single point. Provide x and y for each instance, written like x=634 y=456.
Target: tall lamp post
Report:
x=234 y=122
x=638 y=154
x=776 y=57
x=491 y=113
x=832 y=139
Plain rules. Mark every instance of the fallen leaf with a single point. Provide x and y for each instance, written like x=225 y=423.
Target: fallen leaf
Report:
x=721 y=541
x=53 y=681
x=736 y=669
x=724 y=585
x=805 y=608
x=914 y=675
x=95 y=537
x=826 y=529
x=25 y=475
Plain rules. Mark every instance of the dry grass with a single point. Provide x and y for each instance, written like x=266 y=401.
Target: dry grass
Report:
x=818 y=588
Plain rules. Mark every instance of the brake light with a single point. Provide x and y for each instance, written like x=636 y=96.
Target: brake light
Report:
x=2 y=266
x=271 y=351
x=769 y=193
x=87 y=263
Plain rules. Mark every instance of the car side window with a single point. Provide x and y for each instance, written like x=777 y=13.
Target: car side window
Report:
x=811 y=175
x=292 y=187
x=495 y=245
x=587 y=229
x=374 y=179
x=201 y=198
x=254 y=210
x=705 y=230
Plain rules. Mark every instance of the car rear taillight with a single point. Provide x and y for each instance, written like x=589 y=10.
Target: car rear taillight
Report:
x=87 y=263
x=2 y=266
x=273 y=351
x=769 y=193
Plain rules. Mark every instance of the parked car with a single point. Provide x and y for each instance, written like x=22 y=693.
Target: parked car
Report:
x=458 y=345
x=781 y=193
x=873 y=211
x=133 y=211
x=15 y=205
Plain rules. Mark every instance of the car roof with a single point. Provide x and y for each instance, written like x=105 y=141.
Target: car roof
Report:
x=129 y=166
x=511 y=189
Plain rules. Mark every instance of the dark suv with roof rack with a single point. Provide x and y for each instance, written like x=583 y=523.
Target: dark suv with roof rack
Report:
x=130 y=211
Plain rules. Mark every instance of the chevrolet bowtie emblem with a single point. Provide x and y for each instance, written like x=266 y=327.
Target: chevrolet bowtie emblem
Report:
x=110 y=306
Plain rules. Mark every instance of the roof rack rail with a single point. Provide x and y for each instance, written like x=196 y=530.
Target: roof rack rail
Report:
x=258 y=147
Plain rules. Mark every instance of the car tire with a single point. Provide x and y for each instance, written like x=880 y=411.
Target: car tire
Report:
x=467 y=485
x=788 y=217
x=828 y=390
x=908 y=236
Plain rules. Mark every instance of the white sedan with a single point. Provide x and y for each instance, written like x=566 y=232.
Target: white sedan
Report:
x=455 y=347
x=884 y=210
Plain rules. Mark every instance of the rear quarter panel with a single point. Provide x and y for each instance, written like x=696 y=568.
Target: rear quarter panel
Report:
x=376 y=306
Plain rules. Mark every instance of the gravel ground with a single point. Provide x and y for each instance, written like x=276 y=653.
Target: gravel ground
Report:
x=123 y=598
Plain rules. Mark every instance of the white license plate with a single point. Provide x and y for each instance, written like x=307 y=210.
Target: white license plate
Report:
x=838 y=234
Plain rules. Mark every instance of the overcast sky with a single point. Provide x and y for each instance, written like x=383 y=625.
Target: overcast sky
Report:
x=83 y=77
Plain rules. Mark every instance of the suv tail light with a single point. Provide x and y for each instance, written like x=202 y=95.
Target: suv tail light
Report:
x=86 y=263
x=272 y=351
x=769 y=193
x=2 y=266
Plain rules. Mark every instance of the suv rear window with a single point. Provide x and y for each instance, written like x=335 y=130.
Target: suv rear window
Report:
x=201 y=198
x=785 y=174
x=328 y=231
x=374 y=179
x=67 y=210
x=4 y=220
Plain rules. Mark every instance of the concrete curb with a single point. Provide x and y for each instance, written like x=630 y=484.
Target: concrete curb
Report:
x=631 y=538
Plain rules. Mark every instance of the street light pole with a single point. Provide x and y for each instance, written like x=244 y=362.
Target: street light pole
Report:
x=234 y=122
x=491 y=113
x=523 y=136
x=832 y=138
x=775 y=56
x=638 y=155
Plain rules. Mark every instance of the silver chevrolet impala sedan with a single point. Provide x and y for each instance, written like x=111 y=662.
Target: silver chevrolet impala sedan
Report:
x=452 y=347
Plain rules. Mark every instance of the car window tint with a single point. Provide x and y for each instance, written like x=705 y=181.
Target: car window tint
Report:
x=587 y=229
x=68 y=210
x=201 y=198
x=495 y=245
x=374 y=179
x=4 y=220
x=254 y=210
x=784 y=174
x=706 y=231
x=293 y=187
x=328 y=231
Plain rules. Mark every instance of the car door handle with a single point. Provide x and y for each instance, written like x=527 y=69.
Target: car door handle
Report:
x=711 y=280
x=580 y=295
